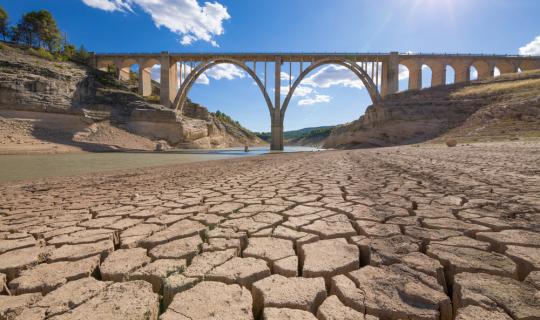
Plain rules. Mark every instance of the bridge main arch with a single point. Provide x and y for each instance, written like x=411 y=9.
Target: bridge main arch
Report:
x=195 y=73
x=352 y=66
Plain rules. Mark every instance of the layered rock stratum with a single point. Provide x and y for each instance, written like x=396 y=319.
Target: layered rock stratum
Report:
x=419 y=233
x=63 y=106
x=500 y=108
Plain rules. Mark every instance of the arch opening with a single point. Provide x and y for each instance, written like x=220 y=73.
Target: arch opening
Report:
x=450 y=75
x=483 y=70
x=201 y=73
x=473 y=73
x=496 y=72
x=149 y=78
x=328 y=94
x=426 y=76
x=354 y=67
x=127 y=71
x=404 y=74
x=106 y=66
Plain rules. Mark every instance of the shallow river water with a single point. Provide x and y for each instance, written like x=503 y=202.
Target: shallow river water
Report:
x=22 y=167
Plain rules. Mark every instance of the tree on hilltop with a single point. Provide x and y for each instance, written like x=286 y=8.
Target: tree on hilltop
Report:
x=38 y=28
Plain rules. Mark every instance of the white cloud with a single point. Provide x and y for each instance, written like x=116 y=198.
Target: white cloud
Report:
x=225 y=71
x=184 y=17
x=300 y=91
x=319 y=98
x=285 y=76
x=334 y=75
x=109 y=5
x=532 y=48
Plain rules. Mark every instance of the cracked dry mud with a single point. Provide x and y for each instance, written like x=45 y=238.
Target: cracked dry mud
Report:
x=399 y=233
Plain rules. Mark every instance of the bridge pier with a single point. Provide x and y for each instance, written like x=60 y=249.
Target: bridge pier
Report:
x=462 y=72
x=390 y=75
x=415 y=76
x=276 y=142
x=145 y=81
x=168 y=80
x=438 y=74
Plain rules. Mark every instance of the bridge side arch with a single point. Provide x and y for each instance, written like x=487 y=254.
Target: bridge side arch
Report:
x=352 y=66
x=190 y=80
x=104 y=64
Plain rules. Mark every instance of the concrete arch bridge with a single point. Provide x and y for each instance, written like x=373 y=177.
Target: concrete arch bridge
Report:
x=379 y=72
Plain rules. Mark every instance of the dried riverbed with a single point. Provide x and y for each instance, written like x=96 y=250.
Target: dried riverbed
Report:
x=396 y=233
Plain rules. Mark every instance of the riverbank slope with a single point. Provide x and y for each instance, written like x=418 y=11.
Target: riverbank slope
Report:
x=51 y=106
x=500 y=108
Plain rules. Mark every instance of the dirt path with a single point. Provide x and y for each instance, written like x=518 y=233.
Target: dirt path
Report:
x=396 y=233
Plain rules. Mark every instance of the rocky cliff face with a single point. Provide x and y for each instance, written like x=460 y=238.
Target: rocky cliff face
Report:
x=33 y=84
x=505 y=107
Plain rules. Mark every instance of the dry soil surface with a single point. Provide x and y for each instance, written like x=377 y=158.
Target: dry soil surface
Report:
x=397 y=233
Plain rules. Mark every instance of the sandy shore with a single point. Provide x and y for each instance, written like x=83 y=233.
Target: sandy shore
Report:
x=423 y=232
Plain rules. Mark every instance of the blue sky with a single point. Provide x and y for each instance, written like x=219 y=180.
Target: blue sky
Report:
x=465 y=26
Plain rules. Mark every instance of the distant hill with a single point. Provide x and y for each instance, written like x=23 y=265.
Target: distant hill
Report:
x=302 y=137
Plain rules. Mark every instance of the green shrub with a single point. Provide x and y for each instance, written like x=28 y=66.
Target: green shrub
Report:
x=42 y=53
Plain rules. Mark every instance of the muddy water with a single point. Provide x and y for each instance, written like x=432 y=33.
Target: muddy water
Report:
x=23 y=167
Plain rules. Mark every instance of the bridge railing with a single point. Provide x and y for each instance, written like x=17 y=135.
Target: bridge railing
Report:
x=320 y=54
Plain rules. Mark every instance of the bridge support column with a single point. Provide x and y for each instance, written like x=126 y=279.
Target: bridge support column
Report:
x=123 y=74
x=145 y=78
x=415 y=77
x=438 y=74
x=145 y=81
x=390 y=75
x=276 y=142
x=169 y=80
x=463 y=73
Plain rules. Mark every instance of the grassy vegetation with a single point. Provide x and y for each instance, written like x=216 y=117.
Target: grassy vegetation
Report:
x=504 y=85
x=41 y=53
x=227 y=119
x=315 y=132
